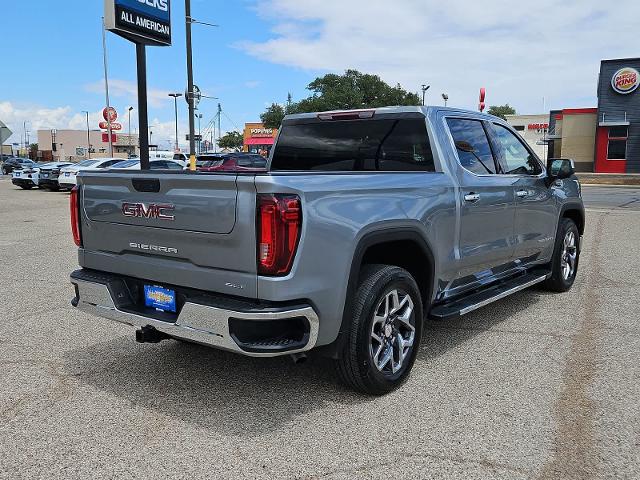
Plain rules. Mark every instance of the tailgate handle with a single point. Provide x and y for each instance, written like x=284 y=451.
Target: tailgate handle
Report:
x=149 y=185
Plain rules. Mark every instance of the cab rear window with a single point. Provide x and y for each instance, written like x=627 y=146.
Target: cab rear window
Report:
x=361 y=145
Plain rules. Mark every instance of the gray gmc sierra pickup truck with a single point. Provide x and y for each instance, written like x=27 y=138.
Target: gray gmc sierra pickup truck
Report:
x=365 y=223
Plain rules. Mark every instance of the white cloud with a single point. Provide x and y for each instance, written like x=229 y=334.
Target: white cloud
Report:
x=129 y=90
x=36 y=118
x=520 y=52
x=42 y=118
x=45 y=118
x=252 y=84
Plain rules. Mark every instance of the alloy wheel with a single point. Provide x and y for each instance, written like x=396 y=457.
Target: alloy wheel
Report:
x=392 y=332
x=569 y=255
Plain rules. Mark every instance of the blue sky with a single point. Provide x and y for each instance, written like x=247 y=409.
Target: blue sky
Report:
x=520 y=52
x=64 y=49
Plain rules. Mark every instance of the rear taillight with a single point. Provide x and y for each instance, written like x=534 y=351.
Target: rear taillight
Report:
x=278 y=229
x=74 y=207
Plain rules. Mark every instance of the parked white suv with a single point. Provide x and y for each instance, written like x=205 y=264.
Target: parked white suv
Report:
x=68 y=175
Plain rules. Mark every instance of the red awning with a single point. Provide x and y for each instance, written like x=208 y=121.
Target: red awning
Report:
x=260 y=141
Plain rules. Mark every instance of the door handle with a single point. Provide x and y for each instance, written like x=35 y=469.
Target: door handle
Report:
x=522 y=193
x=471 y=197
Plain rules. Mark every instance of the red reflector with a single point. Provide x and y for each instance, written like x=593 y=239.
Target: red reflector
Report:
x=279 y=221
x=74 y=207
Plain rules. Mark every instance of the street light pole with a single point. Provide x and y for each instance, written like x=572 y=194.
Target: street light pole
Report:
x=175 y=100
x=88 y=136
x=106 y=86
x=424 y=91
x=129 y=142
x=192 y=127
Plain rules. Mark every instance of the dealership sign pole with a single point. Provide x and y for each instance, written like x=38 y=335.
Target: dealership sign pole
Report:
x=143 y=22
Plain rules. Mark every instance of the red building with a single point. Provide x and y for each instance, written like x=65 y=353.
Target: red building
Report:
x=618 y=128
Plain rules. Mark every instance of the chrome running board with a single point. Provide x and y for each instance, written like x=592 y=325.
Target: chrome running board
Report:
x=472 y=302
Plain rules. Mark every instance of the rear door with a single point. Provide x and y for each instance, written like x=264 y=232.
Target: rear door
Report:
x=487 y=207
x=195 y=231
x=536 y=211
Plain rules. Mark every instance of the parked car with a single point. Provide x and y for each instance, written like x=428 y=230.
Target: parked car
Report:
x=23 y=177
x=48 y=175
x=69 y=174
x=231 y=162
x=161 y=155
x=153 y=165
x=15 y=163
x=35 y=171
x=365 y=223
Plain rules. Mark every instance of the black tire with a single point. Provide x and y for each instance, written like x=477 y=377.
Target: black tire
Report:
x=559 y=281
x=356 y=365
x=26 y=187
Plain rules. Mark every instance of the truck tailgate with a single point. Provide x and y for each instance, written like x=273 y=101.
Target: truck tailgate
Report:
x=191 y=230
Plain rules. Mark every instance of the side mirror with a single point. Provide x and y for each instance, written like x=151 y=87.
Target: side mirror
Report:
x=561 y=168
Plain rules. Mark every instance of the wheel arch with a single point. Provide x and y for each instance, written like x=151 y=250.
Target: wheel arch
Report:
x=575 y=212
x=405 y=247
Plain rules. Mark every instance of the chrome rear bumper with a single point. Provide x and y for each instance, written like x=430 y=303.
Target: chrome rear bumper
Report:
x=196 y=322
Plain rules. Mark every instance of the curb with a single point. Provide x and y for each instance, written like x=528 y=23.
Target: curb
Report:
x=612 y=179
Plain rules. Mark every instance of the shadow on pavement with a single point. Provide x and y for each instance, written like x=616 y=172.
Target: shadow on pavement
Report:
x=440 y=336
x=239 y=395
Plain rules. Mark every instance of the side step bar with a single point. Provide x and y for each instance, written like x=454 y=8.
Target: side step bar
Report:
x=479 y=299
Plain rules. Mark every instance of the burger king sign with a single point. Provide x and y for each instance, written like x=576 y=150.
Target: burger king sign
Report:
x=625 y=80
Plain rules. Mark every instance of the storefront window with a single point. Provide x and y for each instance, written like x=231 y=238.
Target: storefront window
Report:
x=617 y=148
x=619 y=132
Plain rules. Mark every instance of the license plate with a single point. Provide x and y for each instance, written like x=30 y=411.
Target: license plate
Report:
x=160 y=298
x=67 y=174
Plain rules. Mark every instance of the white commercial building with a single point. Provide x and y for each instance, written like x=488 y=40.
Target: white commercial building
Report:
x=534 y=129
x=74 y=145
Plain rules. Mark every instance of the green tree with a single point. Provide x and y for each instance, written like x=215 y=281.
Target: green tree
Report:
x=33 y=151
x=502 y=110
x=273 y=115
x=231 y=140
x=352 y=90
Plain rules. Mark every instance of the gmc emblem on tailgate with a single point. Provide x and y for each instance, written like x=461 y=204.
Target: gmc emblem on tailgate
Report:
x=140 y=210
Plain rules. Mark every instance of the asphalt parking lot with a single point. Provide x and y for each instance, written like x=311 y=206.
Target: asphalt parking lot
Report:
x=537 y=386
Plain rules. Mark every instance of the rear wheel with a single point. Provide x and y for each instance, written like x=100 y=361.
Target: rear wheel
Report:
x=385 y=331
x=566 y=256
x=26 y=187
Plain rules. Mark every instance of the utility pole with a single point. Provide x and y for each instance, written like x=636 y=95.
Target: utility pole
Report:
x=192 y=127
x=175 y=100
x=106 y=84
x=88 y=135
x=199 y=134
x=219 y=128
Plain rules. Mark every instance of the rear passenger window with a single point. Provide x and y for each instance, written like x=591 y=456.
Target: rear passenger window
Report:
x=362 y=145
x=472 y=145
